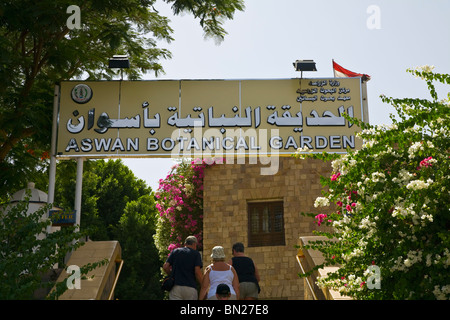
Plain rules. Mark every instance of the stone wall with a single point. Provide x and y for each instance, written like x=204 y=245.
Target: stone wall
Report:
x=227 y=190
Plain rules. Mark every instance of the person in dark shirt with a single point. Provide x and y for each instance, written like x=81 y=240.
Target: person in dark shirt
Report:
x=185 y=265
x=247 y=273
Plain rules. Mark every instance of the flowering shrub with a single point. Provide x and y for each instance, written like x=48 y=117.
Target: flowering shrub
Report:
x=180 y=206
x=388 y=204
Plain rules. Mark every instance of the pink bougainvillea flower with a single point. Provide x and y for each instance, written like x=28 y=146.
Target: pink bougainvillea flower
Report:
x=425 y=163
x=334 y=177
x=179 y=202
x=320 y=217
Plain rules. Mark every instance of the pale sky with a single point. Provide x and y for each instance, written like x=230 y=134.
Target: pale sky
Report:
x=378 y=38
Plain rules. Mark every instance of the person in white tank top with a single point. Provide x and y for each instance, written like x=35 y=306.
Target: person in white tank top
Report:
x=216 y=273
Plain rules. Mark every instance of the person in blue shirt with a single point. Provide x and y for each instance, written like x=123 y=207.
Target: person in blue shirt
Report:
x=185 y=265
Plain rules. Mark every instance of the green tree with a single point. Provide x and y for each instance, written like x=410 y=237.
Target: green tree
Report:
x=28 y=251
x=140 y=274
x=38 y=49
x=65 y=195
x=117 y=206
x=389 y=204
x=107 y=188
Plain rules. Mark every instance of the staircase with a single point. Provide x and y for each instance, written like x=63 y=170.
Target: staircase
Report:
x=99 y=284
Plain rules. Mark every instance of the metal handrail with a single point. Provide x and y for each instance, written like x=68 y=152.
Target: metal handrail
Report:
x=306 y=278
x=116 y=279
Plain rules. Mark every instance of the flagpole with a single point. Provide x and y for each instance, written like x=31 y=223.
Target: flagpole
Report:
x=332 y=67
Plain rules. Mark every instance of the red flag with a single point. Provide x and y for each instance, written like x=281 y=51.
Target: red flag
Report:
x=340 y=72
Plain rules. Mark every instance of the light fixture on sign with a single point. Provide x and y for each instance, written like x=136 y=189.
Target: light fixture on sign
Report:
x=304 y=65
x=119 y=62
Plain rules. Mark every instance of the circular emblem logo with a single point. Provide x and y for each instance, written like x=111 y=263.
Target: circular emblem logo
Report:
x=81 y=93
